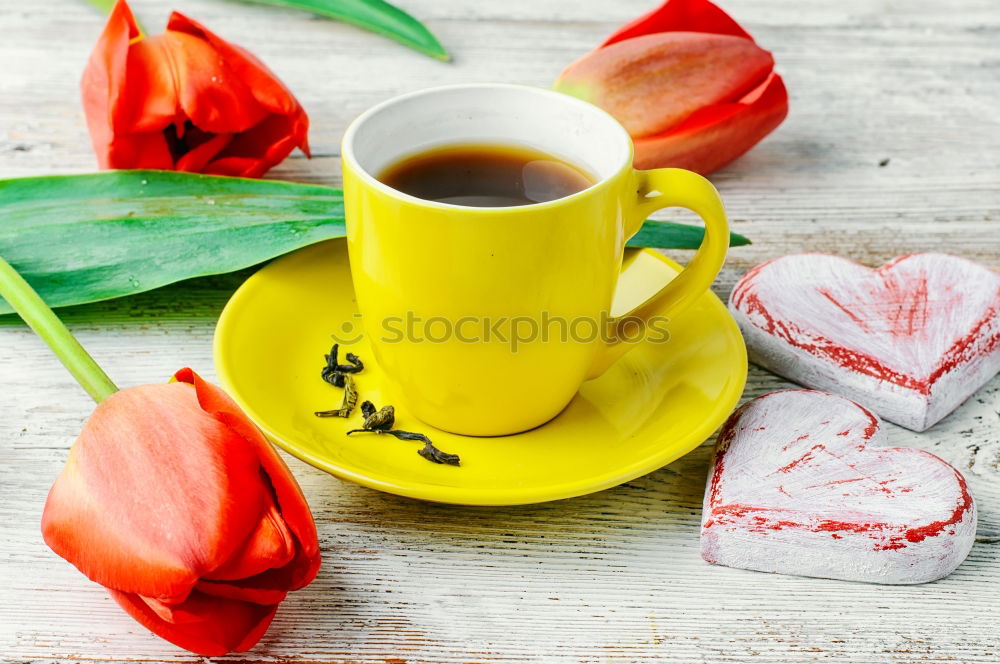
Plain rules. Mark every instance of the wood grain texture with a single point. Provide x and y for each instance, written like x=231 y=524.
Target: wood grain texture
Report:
x=612 y=577
x=802 y=483
x=910 y=340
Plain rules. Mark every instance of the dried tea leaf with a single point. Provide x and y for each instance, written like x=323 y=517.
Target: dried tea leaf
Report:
x=333 y=372
x=432 y=453
x=368 y=409
x=350 y=400
x=380 y=421
x=355 y=361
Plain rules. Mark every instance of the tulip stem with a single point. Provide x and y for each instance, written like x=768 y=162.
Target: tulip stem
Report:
x=30 y=306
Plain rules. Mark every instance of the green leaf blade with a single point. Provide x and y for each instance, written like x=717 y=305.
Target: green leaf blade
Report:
x=376 y=16
x=103 y=5
x=671 y=235
x=85 y=238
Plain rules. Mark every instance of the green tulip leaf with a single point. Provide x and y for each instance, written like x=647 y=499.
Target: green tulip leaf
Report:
x=84 y=238
x=103 y=5
x=670 y=235
x=376 y=15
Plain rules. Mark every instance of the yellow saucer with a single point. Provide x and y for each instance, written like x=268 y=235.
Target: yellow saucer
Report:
x=656 y=404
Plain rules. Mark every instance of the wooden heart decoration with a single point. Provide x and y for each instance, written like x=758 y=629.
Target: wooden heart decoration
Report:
x=800 y=485
x=910 y=340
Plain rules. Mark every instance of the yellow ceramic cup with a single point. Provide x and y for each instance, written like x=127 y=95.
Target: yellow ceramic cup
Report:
x=448 y=293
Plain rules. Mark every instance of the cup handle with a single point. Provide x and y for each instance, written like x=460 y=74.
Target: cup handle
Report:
x=656 y=189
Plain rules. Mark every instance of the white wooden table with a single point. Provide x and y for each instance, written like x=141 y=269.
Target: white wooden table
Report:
x=614 y=576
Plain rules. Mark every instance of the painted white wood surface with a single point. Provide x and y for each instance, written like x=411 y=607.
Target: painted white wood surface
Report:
x=910 y=340
x=614 y=576
x=802 y=483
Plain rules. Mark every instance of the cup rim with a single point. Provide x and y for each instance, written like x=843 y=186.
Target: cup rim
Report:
x=347 y=147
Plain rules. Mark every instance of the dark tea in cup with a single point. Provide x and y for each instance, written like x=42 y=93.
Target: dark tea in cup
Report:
x=486 y=176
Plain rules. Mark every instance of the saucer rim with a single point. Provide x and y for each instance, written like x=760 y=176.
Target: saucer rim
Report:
x=491 y=497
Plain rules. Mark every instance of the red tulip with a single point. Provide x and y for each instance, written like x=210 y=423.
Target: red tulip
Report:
x=173 y=500
x=186 y=100
x=687 y=82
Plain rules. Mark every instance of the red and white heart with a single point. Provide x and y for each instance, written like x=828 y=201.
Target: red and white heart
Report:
x=800 y=485
x=910 y=340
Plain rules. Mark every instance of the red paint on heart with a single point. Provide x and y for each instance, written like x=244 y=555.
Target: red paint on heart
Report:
x=850 y=314
x=817 y=511
x=823 y=347
x=892 y=537
x=897 y=536
x=808 y=456
x=873 y=424
x=963 y=348
x=836 y=482
x=904 y=305
x=920 y=533
x=911 y=299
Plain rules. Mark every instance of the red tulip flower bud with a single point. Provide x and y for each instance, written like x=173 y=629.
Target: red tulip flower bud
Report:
x=688 y=83
x=185 y=100
x=174 y=500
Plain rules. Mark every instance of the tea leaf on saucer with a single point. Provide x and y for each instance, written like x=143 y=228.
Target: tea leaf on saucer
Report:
x=435 y=455
x=670 y=235
x=381 y=422
x=334 y=373
x=348 y=403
